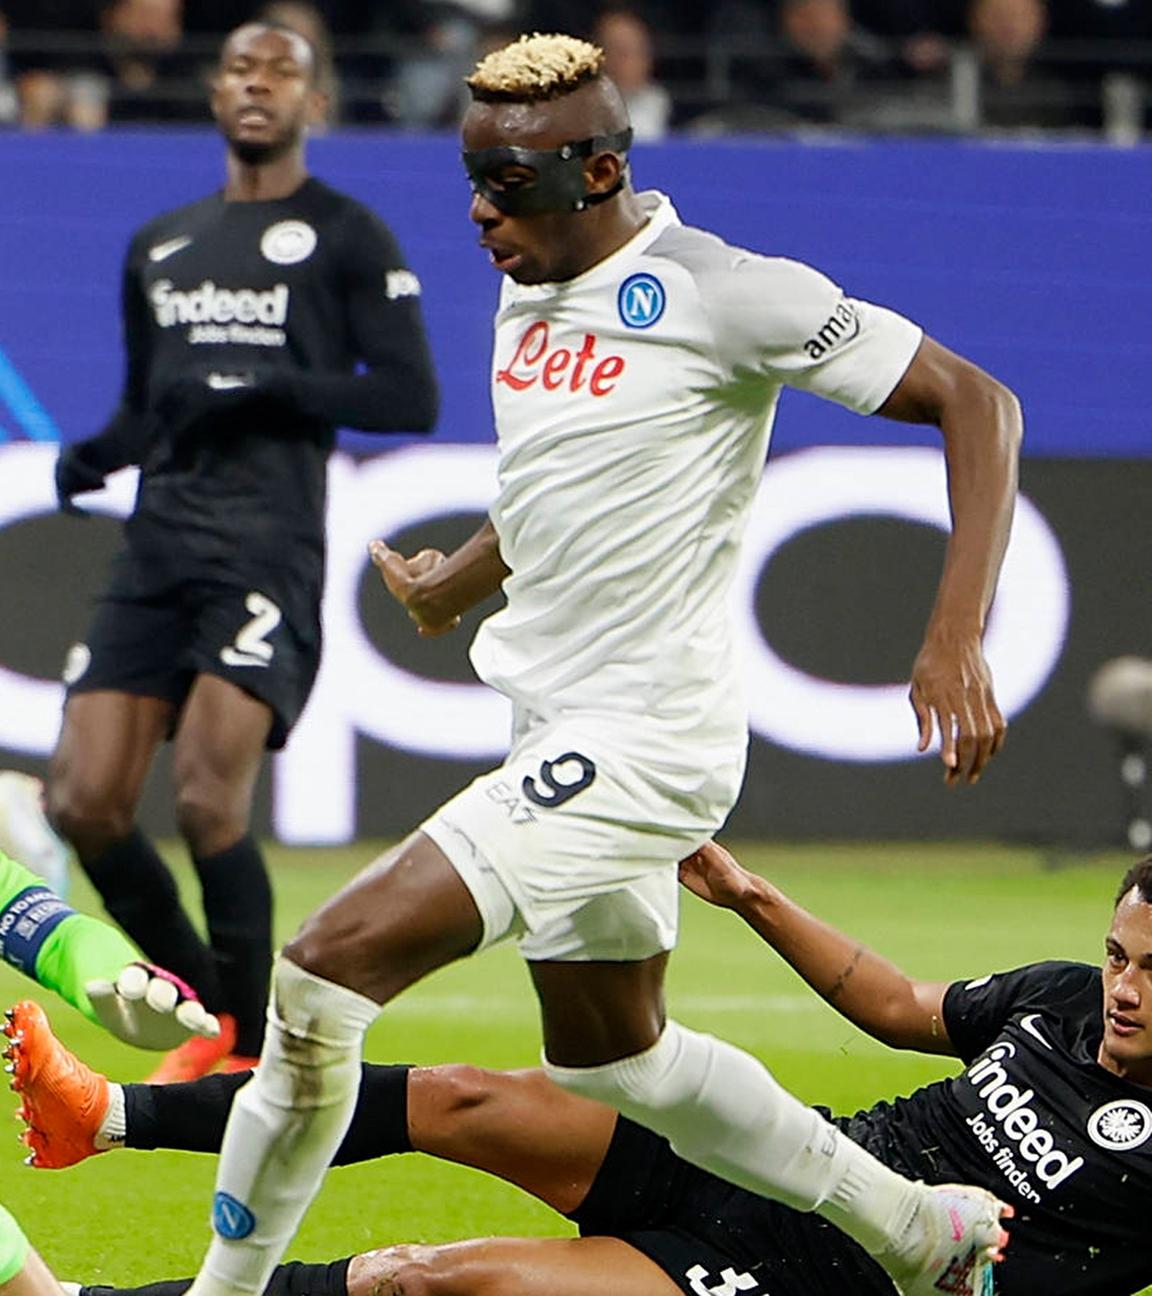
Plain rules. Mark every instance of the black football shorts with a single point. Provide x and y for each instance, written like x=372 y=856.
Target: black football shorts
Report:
x=711 y=1237
x=153 y=635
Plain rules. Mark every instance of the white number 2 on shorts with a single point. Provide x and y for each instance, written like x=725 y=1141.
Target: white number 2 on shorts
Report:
x=251 y=646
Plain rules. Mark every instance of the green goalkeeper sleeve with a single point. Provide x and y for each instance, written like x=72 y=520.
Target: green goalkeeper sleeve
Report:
x=53 y=944
x=14 y=1247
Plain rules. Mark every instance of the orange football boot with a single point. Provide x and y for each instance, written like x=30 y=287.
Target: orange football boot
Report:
x=63 y=1101
x=197 y=1056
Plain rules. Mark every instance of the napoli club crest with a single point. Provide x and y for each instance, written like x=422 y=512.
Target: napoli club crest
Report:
x=641 y=300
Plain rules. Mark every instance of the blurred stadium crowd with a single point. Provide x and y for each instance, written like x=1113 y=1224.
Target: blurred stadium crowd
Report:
x=952 y=66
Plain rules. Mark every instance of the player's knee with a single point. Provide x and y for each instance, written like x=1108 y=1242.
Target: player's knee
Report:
x=408 y=1270
x=86 y=814
x=206 y=818
x=317 y=950
x=350 y=950
x=454 y=1092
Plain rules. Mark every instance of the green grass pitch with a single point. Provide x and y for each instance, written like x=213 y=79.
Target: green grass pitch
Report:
x=940 y=911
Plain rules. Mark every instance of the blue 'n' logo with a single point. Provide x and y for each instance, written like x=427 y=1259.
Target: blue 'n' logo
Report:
x=231 y=1218
x=641 y=300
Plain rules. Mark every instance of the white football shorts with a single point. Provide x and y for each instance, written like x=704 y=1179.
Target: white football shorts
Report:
x=572 y=844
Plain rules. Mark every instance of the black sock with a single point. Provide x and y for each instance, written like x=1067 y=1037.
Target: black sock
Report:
x=380 y=1122
x=298 y=1279
x=292 y=1279
x=191 y=1117
x=238 y=911
x=170 y=1287
x=140 y=894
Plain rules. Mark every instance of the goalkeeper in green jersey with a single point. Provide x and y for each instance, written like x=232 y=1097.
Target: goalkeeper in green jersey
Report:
x=87 y=963
x=22 y=1272
x=93 y=966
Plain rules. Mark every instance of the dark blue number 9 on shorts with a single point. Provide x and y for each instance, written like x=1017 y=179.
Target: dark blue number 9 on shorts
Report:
x=557 y=789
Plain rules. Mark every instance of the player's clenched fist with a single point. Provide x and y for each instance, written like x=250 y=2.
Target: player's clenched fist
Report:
x=406 y=580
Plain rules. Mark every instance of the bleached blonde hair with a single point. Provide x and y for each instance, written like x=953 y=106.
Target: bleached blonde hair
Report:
x=535 y=68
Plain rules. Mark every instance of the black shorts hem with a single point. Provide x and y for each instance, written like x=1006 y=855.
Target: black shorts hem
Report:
x=278 y=734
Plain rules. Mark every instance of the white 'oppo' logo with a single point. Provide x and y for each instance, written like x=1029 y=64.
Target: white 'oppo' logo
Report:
x=361 y=693
x=1121 y=1125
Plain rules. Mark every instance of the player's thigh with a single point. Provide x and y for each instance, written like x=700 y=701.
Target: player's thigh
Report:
x=407 y=914
x=515 y=1124
x=106 y=745
x=511 y=1267
x=222 y=734
x=596 y=1012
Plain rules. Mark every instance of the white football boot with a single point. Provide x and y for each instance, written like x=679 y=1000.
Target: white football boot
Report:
x=25 y=832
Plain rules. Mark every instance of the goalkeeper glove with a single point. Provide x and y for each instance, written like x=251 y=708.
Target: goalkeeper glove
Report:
x=150 y=1008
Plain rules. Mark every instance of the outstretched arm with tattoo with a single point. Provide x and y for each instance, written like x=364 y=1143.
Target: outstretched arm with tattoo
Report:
x=871 y=992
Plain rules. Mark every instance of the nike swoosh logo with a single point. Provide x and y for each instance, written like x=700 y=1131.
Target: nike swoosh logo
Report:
x=162 y=251
x=230 y=657
x=1029 y=1024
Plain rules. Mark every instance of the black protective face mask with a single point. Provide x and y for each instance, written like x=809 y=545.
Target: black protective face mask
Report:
x=557 y=180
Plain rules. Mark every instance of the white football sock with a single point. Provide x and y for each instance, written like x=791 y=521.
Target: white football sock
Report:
x=720 y=1109
x=285 y=1126
x=114 y=1124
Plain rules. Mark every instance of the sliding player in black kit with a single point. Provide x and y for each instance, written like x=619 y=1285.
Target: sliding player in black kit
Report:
x=1052 y=1113
x=256 y=321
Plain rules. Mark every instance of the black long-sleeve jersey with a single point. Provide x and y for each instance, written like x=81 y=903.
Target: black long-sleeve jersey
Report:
x=1036 y=1119
x=1033 y=1117
x=306 y=298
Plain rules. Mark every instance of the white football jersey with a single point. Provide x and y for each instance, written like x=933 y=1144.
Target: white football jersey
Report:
x=633 y=409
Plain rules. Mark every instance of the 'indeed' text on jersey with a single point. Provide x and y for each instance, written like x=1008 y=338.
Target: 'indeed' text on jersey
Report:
x=254 y=316
x=1007 y=1105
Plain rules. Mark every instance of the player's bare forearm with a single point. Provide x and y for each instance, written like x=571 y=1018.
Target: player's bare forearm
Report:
x=436 y=590
x=33 y=1278
x=982 y=427
x=867 y=989
x=981 y=424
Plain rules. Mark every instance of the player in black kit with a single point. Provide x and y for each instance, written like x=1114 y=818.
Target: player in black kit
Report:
x=1053 y=1113
x=257 y=321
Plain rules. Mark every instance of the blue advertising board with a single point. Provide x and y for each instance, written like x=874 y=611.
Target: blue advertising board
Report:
x=1032 y=261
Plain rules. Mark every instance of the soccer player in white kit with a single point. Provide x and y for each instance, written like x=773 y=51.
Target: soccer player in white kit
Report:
x=636 y=371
